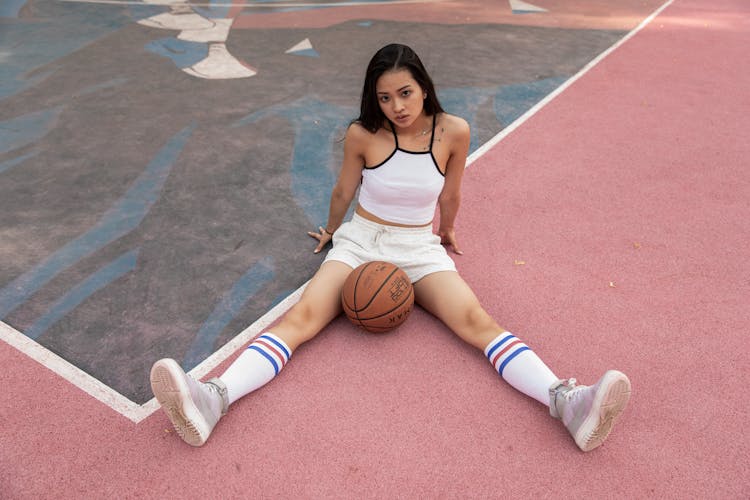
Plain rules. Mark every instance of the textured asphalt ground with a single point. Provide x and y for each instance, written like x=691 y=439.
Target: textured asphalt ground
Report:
x=608 y=231
x=148 y=209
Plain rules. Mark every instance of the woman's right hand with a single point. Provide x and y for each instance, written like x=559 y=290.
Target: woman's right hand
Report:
x=448 y=238
x=322 y=236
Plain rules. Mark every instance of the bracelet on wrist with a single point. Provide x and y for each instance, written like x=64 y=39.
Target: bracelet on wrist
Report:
x=330 y=233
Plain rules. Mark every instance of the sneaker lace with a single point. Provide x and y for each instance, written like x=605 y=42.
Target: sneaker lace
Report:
x=216 y=386
x=564 y=388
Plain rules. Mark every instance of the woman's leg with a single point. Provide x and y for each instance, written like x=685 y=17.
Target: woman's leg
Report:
x=266 y=356
x=319 y=305
x=447 y=296
x=588 y=412
x=195 y=407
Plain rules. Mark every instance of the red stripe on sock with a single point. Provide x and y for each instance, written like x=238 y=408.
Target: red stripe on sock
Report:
x=273 y=349
x=498 y=355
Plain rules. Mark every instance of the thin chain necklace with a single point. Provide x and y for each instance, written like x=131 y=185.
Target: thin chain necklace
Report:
x=423 y=133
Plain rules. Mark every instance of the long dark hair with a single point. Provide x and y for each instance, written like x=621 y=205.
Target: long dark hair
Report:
x=393 y=57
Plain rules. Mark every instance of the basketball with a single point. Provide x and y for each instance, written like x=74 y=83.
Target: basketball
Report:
x=377 y=296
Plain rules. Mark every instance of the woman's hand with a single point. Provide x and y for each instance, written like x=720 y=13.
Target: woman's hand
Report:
x=322 y=236
x=448 y=238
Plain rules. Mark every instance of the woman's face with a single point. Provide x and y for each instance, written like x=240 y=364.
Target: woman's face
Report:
x=400 y=97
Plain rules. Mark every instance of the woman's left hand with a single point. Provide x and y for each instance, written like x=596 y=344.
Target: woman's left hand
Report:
x=448 y=238
x=322 y=236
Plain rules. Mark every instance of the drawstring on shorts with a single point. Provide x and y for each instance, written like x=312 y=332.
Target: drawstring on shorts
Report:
x=380 y=232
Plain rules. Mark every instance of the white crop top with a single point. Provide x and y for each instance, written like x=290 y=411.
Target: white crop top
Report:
x=404 y=188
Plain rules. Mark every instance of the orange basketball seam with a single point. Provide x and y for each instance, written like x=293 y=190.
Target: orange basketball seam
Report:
x=352 y=307
x=354 y=294
x=375 y=293
x=411 y=292
x=391 y=316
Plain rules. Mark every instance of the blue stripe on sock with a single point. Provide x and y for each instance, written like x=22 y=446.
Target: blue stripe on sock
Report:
x=277 y=344
x=267 y=356
x=496 y=346
x=509 y=358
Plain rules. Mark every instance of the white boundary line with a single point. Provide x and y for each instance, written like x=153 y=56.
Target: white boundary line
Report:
x=136 y=412
x=76 y=376
x=534 y=109
x=114 y=399
x=247 y=334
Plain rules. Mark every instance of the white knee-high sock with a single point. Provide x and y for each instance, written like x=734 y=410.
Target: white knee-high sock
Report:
x=520 y=366
x=256 y=366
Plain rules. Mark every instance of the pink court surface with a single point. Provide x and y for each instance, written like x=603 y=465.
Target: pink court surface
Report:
x=608 y=227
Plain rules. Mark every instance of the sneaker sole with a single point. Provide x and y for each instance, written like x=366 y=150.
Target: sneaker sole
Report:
x=171 y=390
x=610 y=400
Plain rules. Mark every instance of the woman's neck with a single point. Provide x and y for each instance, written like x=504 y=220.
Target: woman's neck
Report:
x=421 y=126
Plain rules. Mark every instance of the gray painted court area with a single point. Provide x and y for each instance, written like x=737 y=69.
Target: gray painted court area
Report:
x=152 y=208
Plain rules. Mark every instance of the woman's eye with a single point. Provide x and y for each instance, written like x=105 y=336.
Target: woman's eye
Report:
x=406 y=93
x=384 y=98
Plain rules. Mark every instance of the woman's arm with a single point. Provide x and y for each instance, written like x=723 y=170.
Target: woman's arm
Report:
x=346 y=185
x=459 y=137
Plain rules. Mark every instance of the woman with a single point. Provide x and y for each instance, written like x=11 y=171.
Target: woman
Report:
x=409 y=156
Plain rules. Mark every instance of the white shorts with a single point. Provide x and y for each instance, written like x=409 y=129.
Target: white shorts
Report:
x=416 y=250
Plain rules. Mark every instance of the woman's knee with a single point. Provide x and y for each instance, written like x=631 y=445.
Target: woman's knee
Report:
x=320 y=303
x=301 y=316
x=478 y=327
x=299 y=323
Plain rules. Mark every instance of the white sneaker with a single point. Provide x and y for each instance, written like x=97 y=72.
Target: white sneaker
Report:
x=193 y=407
x=589 y=412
